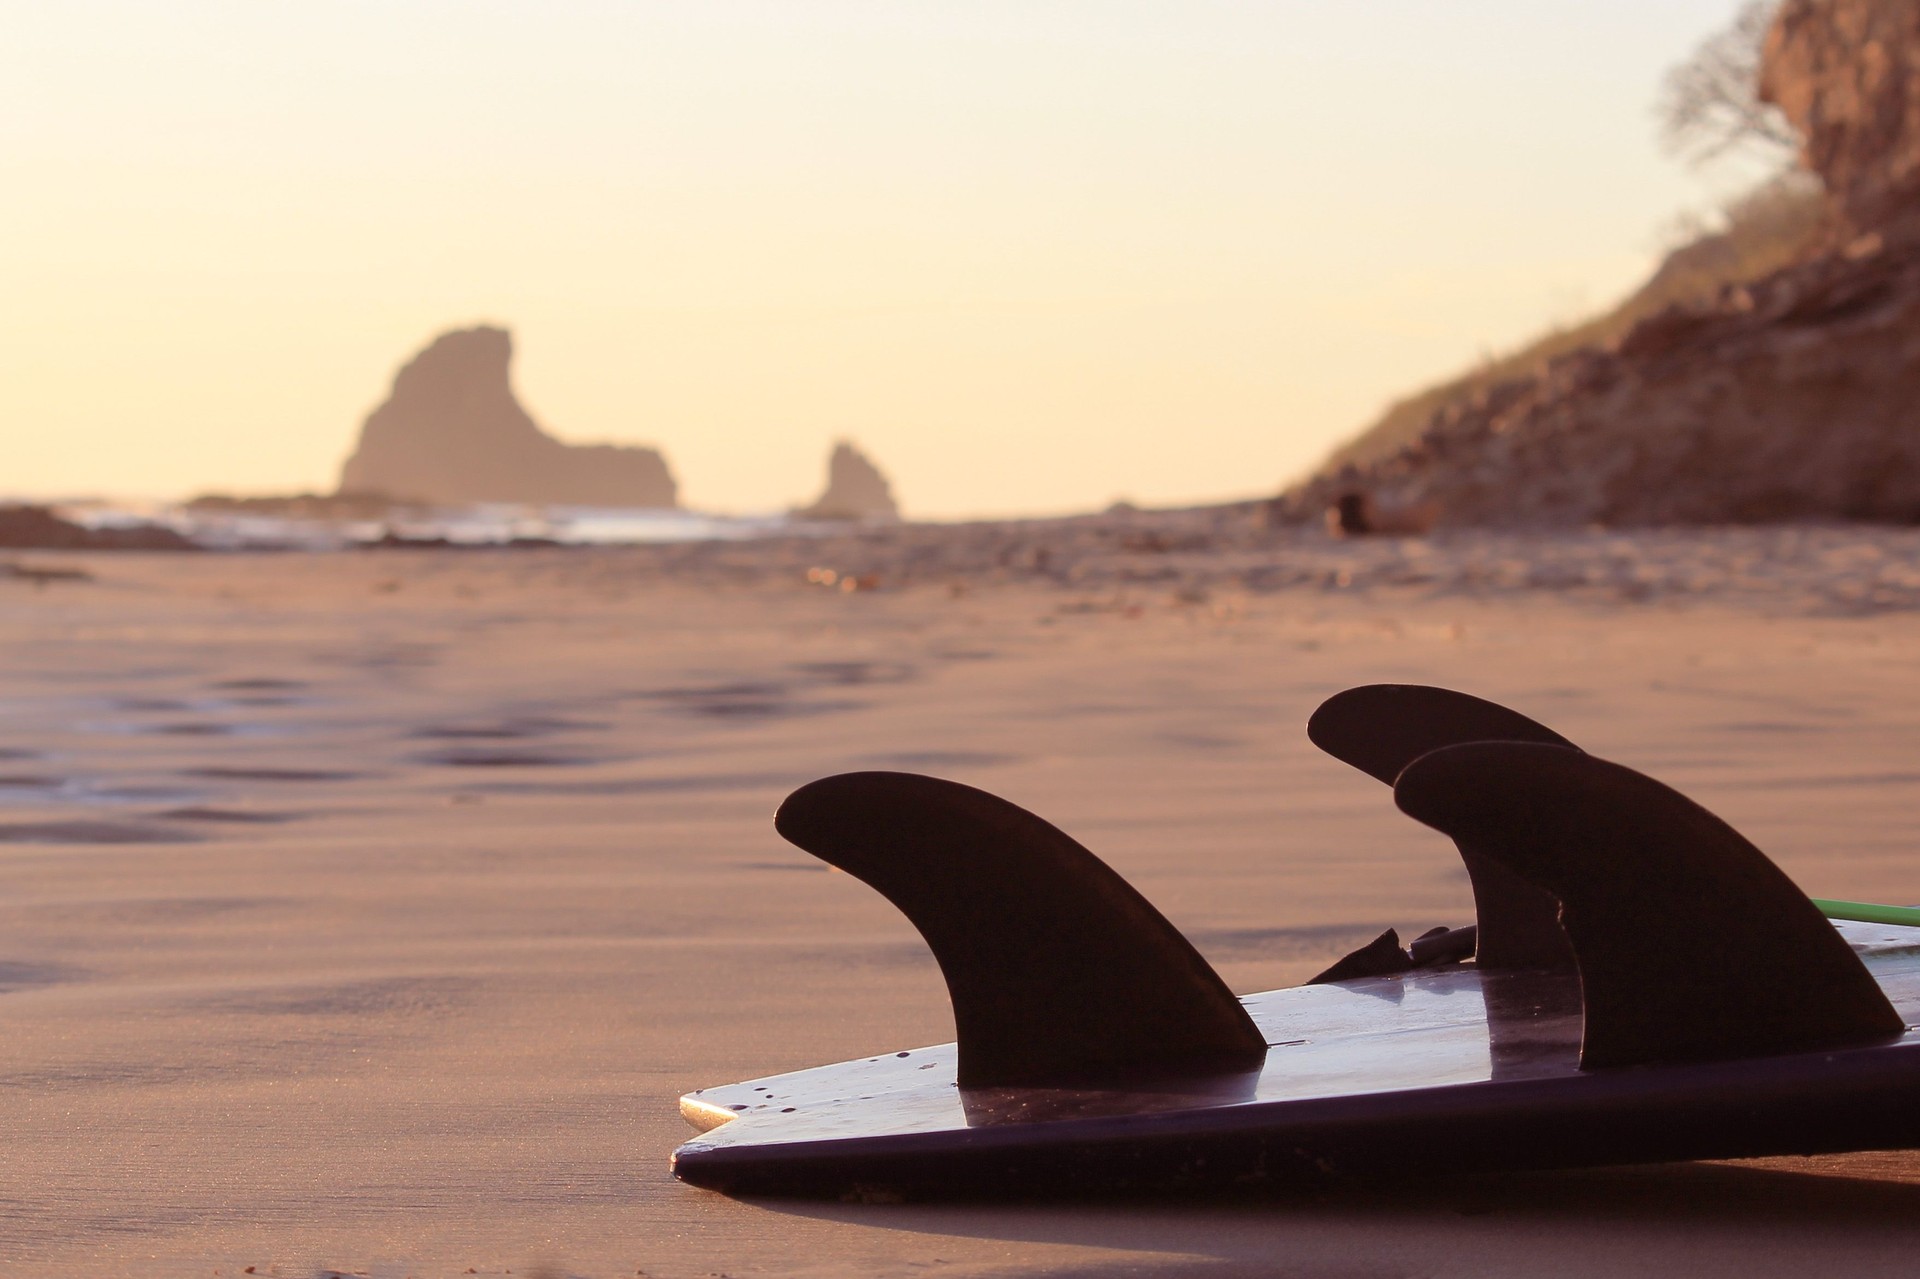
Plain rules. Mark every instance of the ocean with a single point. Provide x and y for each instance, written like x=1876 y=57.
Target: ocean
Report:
x=492 y=524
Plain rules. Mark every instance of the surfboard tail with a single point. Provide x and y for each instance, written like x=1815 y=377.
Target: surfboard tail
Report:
x=1688 y=943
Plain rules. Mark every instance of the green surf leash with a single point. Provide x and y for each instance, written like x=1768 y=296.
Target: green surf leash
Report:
x=1869 y=913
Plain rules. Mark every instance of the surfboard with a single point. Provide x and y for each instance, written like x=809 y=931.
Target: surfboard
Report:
x=1435 y=1072
x=1689 y=1003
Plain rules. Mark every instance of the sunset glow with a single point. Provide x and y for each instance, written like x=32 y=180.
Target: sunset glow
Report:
x=1033 y=257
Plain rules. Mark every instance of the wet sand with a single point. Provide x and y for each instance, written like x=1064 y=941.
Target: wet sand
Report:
x=368 y=912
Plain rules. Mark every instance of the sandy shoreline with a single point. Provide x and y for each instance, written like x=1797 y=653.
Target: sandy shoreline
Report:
x=369 y=911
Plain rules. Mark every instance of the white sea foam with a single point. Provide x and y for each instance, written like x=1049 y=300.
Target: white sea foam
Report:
x=482 y=525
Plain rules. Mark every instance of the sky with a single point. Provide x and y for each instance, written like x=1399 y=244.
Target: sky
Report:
x=1031 y=255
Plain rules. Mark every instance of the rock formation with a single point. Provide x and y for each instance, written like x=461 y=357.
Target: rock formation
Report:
x=40 y=528
x=855 y=490
x=452 y=432
x=1790 y=397
x=1847 y=73
x=1770 y=227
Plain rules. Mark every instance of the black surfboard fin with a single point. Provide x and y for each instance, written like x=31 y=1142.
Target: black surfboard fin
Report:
x=1058 y=970
x=1381 y=728
x=1691 y=944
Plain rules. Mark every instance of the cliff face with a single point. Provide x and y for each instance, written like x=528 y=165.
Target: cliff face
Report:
x=1847 y=73
x=1790 y=397
x=1793 y=399
x=1770 y=228
x=451 y=431
x=855 y=490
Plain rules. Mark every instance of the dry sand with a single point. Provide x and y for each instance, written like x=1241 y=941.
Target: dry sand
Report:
x=369 y=912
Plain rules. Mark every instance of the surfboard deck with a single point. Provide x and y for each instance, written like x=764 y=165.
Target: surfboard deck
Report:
x=1433 y=1072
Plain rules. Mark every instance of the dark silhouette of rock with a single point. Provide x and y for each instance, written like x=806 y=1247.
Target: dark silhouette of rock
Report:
x=452 y=432
x=38 y=528
x=1789 y=397
x=855 y=490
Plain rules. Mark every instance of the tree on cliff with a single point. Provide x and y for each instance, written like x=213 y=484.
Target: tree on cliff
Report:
x=1710 y=105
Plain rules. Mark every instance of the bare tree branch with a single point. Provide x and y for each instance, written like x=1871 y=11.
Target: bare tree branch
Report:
x=1710 y=106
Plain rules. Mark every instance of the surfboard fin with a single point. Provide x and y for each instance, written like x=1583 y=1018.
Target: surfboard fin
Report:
x=1381 y=728
x=1691 y=944
x=1059 y=971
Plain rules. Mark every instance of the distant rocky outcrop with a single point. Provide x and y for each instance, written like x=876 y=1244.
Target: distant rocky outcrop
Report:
x=1788 y=397
x=856 y=490
x=40 y=528
x=452 y=432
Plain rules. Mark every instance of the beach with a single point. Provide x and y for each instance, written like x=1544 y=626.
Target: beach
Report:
x=368 y=912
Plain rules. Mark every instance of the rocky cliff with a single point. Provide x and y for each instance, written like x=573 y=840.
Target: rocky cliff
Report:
x=856 y=490
x=1768 y=228
x=1788 y=397
x=452 y=432
x=1847 y=73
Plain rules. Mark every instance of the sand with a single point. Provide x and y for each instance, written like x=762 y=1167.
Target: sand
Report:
x=369 y=912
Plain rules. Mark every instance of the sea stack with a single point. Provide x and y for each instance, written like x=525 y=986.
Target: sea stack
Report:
x=856 y=490
x=452 y=432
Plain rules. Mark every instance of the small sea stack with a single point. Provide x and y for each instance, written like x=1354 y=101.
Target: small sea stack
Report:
x=856 y=490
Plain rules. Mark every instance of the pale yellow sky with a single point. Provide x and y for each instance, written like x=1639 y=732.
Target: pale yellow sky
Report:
x=1032 y=256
